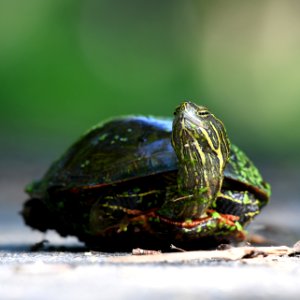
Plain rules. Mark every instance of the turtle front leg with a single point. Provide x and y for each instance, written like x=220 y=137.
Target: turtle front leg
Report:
x=238 y=203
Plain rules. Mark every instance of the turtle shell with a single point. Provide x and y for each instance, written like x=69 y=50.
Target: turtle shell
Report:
x=132 y=147
x=131 y=161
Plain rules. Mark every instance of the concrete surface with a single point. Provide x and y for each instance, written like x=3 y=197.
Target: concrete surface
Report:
x=65 y=269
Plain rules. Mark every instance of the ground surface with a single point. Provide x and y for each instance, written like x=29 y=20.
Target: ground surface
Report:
x=65 y=269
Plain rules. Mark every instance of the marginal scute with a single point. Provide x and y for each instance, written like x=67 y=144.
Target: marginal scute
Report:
x=242 y=170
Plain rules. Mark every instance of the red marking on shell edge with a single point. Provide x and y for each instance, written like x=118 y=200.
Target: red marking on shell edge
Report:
x=225 y=218
x=74 y=190
x=184 y=224
x=228 y=219
x=90 y=187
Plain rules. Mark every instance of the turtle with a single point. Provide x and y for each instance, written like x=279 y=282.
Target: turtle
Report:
x=149 y=182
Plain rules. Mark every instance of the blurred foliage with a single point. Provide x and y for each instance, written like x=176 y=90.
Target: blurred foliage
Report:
x=68 y=64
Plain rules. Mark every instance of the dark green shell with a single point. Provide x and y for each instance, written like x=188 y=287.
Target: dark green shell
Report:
x=132 y=147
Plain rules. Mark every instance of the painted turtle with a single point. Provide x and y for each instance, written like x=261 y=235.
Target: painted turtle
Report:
x=147 y=182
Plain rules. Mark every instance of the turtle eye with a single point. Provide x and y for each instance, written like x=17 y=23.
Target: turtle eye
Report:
x=202 y=113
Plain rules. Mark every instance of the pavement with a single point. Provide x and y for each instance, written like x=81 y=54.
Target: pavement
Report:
x=65 y=269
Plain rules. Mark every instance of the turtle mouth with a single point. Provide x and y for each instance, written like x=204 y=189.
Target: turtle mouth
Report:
x=191 y=116
x=190 y=134
x=191 y=122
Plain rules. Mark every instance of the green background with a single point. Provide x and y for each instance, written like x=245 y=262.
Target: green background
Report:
x=68 y=64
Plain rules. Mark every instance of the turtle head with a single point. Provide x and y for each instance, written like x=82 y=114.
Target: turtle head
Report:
x=194 y=127
x=202 y=148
